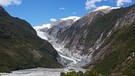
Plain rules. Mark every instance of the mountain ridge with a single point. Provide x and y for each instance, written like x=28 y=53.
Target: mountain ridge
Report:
x=98 y=37
x=21 y=48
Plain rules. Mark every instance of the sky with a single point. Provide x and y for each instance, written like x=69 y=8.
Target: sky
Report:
x=37 y=12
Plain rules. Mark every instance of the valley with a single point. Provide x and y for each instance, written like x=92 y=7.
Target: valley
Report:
x=103 y=40
x=69 y=63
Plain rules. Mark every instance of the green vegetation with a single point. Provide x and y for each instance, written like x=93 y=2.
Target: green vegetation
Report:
x=122 y=59
x=4 y=69
x=21 y=48
x=80 y=73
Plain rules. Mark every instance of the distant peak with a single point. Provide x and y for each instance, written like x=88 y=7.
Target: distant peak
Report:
x=102 y=8
x=46 y=25
x=70 y=17
x=105 y=9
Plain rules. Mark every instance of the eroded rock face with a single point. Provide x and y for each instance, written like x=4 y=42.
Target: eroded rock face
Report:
x=128 y=18
x=72 y=34
x=76 y=37
x=87 y=38
x=116 y=54
x=125 y=20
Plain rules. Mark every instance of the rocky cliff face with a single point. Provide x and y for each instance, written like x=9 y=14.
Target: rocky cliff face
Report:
x=57 y=28
x=21 y=48
x=54 y=31
x=87 y=34
x=102 y=37
x=116 y=54
x=125 y=20
x=73 y=35
x=83 y=36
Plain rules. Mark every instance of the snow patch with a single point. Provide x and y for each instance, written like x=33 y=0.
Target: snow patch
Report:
x=47 y=25
x=41 y=35
x=75 y=18
x=105 y=8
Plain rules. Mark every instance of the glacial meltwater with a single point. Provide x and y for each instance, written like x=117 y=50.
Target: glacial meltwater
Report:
x=39 y=72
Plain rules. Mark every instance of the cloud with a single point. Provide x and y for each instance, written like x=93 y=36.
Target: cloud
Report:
x=91 y=4
x=53 y=19
x=74 y=13
x=10 y=2
x=121 y=2
x=62 y=8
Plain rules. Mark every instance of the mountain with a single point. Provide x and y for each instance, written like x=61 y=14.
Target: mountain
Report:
x=44 y=27
x=106 y=41
x=59 y=26
x=21 y=48
x=52 y=31
x=65 y=32
x=104 y=38
x=80 y=37
x=105 y=9
x=116 y=54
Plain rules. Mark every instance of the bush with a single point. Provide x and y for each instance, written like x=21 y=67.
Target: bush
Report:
x=80 y=73
x=5 y=69
x=62 y=74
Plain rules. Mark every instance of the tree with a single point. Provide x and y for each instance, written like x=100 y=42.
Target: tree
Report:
x=62 y=74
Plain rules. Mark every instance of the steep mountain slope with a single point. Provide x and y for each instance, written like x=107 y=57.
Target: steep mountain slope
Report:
x=64 y=32
x=116 y=55
x=71 y=34
x=43 y=27
x=81 y=37
x=51 y=32
x=21 y=48
x=105 y=38
x=107 y=41
x=86 y=37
